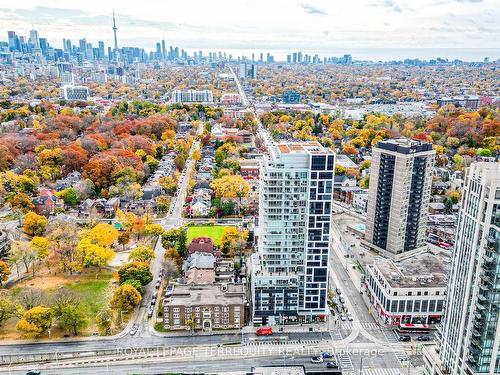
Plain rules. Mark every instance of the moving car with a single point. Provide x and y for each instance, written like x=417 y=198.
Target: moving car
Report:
x=349 y=317
x=134 y=329
x=316 y=360
x=332 y=364
x=264 y=331
x=342 y=317
x=327 y=355
x=404 y=338
x=150 y=312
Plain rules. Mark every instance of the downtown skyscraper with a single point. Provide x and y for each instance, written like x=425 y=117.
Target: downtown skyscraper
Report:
x=290 y=269
x=470 y=340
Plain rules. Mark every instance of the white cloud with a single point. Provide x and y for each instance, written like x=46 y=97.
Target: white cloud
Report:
x=264 y=24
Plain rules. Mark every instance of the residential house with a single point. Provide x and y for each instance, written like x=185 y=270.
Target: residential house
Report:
x=202 y=245
x=46 y=202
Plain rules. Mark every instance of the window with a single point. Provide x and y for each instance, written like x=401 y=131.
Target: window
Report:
x=318 y=163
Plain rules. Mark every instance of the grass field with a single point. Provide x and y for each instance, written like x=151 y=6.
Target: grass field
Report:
x=213 y=231
x=94 y=294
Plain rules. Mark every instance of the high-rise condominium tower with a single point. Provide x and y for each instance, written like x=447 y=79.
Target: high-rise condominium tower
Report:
x=470 y=340
x=400 y=186
x=290 y=270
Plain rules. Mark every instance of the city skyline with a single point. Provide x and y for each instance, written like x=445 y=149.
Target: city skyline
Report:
x=314 y=26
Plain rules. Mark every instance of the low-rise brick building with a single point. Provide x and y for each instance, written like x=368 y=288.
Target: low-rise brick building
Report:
x=204 y=307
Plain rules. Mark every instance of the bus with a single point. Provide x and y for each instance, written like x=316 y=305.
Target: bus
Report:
x=413 y=328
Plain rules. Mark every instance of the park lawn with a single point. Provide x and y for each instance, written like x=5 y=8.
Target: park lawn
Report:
x=93 y=293
x=215 y=232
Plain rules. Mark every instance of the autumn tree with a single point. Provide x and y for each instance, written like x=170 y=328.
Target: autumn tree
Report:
x=103 y=320
x=142 y=253
x=7 y=308
x=34 y=224
x=232 y=238
x=4 y=272
x=35 y=321
x=22 y=202
x=231 y=187
x=102 y=234
x=125 y=298
x=153 y=230
x=169 y=184
x=171 y=254
x=63 y=244
x=94 y=255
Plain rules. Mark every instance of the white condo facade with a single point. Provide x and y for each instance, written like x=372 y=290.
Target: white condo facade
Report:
x=470 y=341
x=290 y=269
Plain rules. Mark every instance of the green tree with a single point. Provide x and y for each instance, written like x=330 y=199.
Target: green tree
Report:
x=136 y=271
x=69 y=196
x=136 y=284
x=72 y=319
x=125 y=298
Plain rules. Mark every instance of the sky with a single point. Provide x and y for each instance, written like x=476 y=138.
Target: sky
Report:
x=321 y=25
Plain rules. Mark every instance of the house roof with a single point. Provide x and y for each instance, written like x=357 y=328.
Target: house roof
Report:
x=200 y=260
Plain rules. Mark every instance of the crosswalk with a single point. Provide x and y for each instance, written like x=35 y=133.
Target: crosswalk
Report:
x=336 y=335
x=390 y=336
x=345 y=362
x=369 y=326
x=381 y=371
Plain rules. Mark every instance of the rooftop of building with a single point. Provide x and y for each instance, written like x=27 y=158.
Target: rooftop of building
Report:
x=425 y=269
x=404 y=145
x=303 y=147
x=198 y=295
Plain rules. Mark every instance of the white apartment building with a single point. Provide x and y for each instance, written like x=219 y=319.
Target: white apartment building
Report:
x=408 y=291
x=192 y=96
x=470 y=341
x=290 y=270
x=399 y=193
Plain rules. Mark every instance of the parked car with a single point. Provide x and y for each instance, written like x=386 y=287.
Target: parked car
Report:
x=150 y=312
x=404 y=338
x=342 y=299
x=153 y=301
x=316 y=360
x=157 y=286
x=337 y=290
x=424 y=338
x=33 y=372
